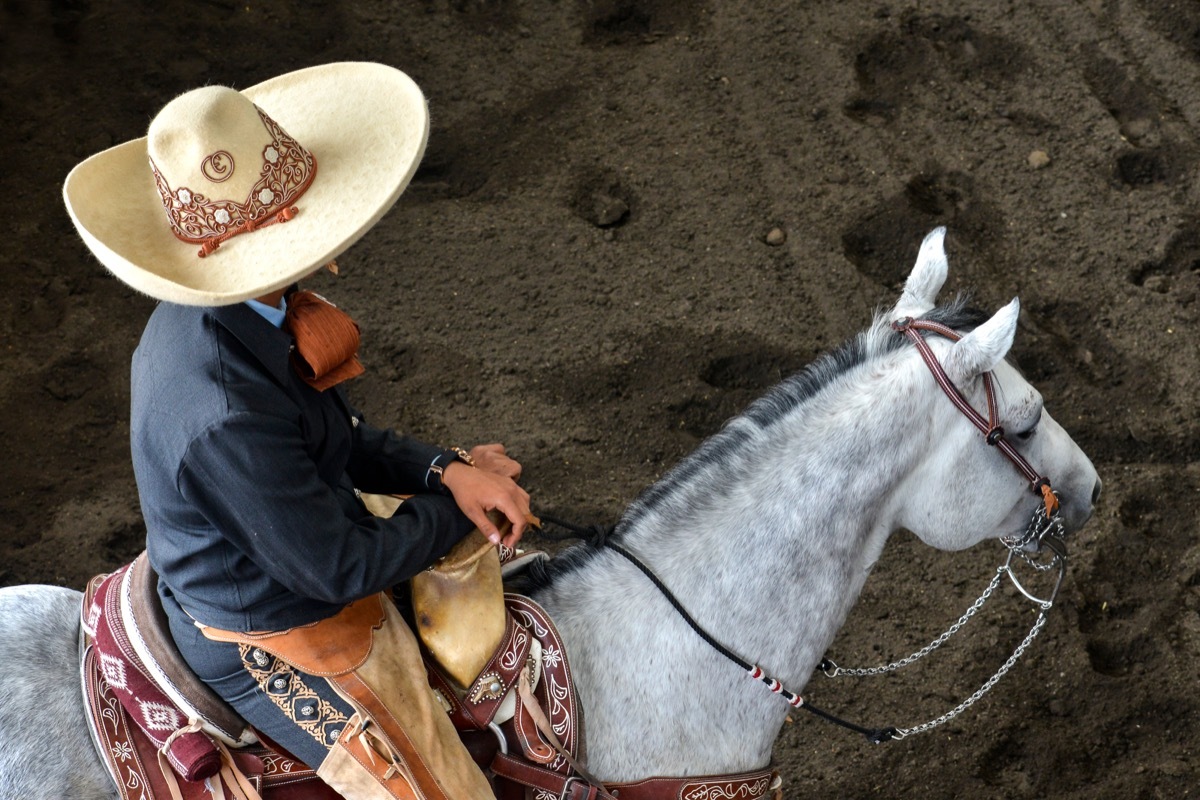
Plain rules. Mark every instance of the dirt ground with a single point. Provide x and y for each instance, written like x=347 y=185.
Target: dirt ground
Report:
x=583 y=269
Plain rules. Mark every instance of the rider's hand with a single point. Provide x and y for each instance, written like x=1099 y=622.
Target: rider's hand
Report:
x=490 y=487
x=491 y=457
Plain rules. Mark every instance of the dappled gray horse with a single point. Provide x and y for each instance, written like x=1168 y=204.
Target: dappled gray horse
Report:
x=785 y=509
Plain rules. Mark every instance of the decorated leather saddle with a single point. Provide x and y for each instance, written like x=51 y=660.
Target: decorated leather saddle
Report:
x=163 y=733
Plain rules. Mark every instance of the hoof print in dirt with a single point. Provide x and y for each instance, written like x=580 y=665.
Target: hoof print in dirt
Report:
x=1138 y=168
x=1138 y=110
x=1131 y=102
x=617 y=22
x=1117 y=658
x=602 y=201
x=923 y=50
x=1177 y=273
x=881 y=243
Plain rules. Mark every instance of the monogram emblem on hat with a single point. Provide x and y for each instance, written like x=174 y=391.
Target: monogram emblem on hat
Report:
x=218 y=167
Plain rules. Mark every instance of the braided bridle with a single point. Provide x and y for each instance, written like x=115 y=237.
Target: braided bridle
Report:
x=992 y=432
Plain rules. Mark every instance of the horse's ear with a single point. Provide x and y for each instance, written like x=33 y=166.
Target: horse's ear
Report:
x=926 y=278
x=985 y=347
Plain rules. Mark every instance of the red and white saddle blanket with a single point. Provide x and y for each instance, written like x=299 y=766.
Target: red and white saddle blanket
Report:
x=158 y=738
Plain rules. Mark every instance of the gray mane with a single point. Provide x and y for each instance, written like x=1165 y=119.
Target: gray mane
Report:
x=724 y=446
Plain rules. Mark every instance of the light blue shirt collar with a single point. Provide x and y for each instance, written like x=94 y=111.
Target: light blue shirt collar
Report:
x=272 y=315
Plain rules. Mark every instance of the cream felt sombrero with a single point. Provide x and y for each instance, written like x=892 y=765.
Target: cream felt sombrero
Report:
x=232 y=195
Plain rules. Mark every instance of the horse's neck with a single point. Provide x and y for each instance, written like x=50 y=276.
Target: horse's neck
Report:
x=769 y=564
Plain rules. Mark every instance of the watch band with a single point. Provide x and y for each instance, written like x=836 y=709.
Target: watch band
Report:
x=433 y=477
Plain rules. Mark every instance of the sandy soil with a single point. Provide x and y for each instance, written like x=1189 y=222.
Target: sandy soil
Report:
x=582 y=269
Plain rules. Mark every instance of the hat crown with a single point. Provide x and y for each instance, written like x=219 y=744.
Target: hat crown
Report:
x=210 y=140
x=227 y=168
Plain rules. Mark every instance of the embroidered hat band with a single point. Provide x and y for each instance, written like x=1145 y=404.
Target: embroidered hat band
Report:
x=286 y=171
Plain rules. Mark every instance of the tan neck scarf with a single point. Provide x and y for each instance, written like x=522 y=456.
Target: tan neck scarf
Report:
x=326 y=340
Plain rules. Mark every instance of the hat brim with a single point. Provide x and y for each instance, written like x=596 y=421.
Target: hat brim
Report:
x=365 y=123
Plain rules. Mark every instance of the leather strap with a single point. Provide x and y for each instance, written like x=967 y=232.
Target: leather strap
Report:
x=554 y=783
x=333 y=646
x=556 y=692
x=483 y=697
x=761 y=785
x=758 y=785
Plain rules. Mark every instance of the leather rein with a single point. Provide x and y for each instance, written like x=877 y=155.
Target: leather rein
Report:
x=1045 y=530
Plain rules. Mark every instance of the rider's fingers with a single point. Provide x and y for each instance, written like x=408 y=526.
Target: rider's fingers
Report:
x=516 y=508
x=479 y=516
x=508 y=467
x=487 y=450
x=495 y=459
x=503 y=466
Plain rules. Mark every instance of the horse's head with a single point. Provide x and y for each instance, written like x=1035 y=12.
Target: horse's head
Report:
x=963 y=490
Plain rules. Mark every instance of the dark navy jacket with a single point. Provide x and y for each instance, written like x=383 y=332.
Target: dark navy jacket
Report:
x=247 y=477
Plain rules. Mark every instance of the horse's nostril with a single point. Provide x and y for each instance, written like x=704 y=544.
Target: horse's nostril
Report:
x=1096 y=491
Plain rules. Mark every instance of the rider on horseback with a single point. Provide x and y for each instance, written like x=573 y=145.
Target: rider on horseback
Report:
x=248 y=457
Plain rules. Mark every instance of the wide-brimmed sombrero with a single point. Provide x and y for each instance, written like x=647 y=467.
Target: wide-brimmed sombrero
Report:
x=232 y=195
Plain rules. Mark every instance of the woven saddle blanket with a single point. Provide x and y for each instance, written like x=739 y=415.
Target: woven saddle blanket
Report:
x=156 y=735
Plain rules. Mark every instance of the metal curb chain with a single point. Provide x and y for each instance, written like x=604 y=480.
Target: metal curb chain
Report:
x=901 y=733
x=832 y=670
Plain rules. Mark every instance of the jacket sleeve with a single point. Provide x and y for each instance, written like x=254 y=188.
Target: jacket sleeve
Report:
x=386 y=462
x=252 y=478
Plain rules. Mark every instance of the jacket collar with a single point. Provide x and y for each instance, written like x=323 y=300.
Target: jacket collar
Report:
x=270 y=345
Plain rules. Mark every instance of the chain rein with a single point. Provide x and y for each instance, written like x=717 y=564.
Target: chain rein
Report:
x=832 y=670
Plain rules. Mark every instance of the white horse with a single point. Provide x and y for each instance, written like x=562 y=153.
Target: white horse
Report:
x=765 y=534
